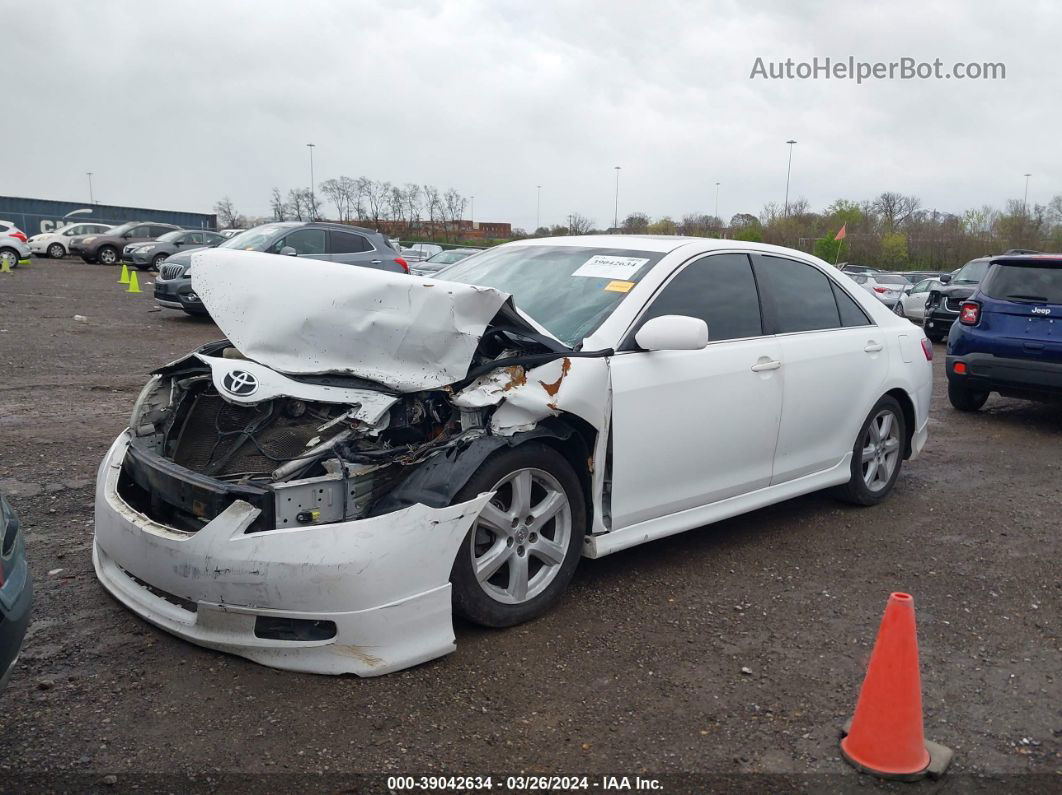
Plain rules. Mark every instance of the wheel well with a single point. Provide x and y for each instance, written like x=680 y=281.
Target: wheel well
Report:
x=907 y=406
x=578 y=449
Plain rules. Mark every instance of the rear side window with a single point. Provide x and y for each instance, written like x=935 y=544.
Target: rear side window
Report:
x=851 y=313
x=1032 y=283
x=802 y=295
x=347 y=243
x=718 y=289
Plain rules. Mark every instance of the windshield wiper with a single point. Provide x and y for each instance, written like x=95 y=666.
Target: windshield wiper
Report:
x=1042 y=299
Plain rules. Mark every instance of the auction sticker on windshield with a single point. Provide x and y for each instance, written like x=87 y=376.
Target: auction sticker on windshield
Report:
x=602 y=266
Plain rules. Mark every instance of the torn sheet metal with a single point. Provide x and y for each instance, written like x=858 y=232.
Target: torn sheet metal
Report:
x=307 y=316
x=265 y=384
x=383 y=581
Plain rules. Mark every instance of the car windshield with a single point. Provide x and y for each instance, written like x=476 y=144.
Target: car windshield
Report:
x=568 y=289
x=447 y=257
x=253 y=239
x=169 y=237
x=1034 y=283
x=118 y=230
x=972 y=272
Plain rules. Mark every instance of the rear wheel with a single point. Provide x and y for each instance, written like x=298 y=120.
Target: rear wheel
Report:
x=898 y=309
x=108 y=255
x=964 y=398
x=8 y=257
x=56 y=251
x=877 y=455
x=522 y=551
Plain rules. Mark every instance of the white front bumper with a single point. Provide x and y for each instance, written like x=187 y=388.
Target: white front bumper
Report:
x=383 y=581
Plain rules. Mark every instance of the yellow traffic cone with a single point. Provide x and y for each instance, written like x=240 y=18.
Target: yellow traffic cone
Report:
x=124 y=278
x=4 y=267
x=133 y=286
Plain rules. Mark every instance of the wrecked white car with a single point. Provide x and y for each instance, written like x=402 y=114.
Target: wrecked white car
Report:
x=368 y=452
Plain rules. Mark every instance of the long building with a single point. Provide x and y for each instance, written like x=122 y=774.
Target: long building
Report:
x=34 y=216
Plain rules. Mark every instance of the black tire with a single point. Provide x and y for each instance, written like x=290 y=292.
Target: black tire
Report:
x=898 y=310
x=107 y=255
x=856 y=490
x=471 y=599
x=156 y=262
x=56 y=251
x=964 y=398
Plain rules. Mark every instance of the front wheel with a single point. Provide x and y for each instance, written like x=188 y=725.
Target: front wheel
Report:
x=108 y=255
x=964 y=398
x=877 y=455
x=522 y=551
x=56 y=251
x=156 y=263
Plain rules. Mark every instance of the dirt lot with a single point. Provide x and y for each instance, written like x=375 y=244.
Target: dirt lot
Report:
x=641 y=669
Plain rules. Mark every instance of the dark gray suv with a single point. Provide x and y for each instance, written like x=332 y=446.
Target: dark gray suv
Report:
x=313 y=239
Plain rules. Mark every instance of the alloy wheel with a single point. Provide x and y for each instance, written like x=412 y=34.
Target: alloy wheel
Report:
x=521 y=538
x=881 y=450
x=56 y=251
x=8 y=258
x=108 y=256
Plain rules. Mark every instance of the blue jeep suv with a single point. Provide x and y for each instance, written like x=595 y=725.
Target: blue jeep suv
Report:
x=1008 y=338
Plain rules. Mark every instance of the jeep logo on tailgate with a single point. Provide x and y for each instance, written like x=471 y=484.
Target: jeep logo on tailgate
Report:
x=1041 y=310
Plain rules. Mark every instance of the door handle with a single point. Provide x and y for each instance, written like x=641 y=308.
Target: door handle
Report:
x=874 y=347
x=761 y=367
x=375 y=261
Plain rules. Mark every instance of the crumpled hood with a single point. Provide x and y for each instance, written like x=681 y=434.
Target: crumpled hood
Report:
x=307 y=317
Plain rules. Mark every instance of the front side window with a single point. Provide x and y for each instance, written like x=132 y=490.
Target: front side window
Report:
x=802 y=296
x=304 y=241
x=720 y=290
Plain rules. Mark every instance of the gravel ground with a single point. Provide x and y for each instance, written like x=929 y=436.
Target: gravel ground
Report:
x=729 y=651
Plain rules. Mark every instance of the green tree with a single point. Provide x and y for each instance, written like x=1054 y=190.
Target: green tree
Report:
x=894 y=250
x=751 y=234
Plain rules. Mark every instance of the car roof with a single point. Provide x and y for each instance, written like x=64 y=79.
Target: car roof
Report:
x=658 y=243
x=340 y=227
x=1029 y=259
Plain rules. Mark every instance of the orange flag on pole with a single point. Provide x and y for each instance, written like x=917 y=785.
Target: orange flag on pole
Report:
x=842 y=233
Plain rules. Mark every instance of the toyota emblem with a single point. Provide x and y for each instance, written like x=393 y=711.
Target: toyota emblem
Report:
x=240 y=382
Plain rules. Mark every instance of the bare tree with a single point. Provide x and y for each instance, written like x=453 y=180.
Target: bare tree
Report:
x=433 y=203
x=635 y=224
x=579 y=224
x=413 y=207
x=454 y=209
x=333 y=189
x=226 y=212
x=296 y=207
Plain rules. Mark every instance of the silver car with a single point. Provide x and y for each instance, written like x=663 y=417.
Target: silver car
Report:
x=13 y=250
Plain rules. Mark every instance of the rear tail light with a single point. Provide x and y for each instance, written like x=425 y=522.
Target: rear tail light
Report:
x=881 y=289
x=18 y=235
x=970 y=313
x=403 y=263
x=927 y=349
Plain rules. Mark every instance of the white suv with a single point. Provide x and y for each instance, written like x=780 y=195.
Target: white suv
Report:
x=13 y=246
x=57 y=244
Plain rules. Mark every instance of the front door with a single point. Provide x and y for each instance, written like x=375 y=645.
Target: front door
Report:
x=693 y=427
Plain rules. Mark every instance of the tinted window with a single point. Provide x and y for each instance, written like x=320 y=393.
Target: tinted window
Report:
x=347 y=243
x=304 y=241
x=851 y=313
x=194 y=237
x=161 y=230
x=142 y=231
x=1036 y=284
x=720 y=290
x=802 y=296
x=212 y=239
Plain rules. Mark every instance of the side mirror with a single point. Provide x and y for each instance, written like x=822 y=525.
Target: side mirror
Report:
x=945 y=278
x=178 y=243
x=673 y=333
x=288 y=251
x=908 y=288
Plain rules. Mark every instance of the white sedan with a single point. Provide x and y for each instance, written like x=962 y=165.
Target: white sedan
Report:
x=57 y=244
x=321 y=490
x=912 y=304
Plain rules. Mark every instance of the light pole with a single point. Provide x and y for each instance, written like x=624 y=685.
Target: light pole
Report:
x=787 y=172
x=1025 y=201
x=92 y=199
x=717 y=200
x=615 y=217
x=473 y=212
x=538 y=209
x=313 y=195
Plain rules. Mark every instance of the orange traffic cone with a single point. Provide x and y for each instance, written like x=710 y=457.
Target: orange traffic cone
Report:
x=885 y=736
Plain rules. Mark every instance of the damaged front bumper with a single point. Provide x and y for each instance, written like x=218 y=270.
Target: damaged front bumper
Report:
x=368 y=596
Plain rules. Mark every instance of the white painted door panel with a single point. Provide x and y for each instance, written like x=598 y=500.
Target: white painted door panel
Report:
x=693 y=427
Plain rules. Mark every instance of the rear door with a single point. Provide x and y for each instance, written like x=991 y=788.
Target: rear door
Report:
x=354 y=249
x=1022 y=303
x=834 y=362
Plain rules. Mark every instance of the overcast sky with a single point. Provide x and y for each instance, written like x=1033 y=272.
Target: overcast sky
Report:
x=174 y=105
